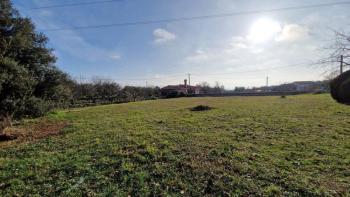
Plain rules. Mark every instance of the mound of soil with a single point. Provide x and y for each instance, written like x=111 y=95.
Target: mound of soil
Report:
x=201 y=108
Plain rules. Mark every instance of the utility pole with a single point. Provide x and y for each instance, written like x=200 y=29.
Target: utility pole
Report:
x=341 y=64
x=267 y=81
x=189 y=79
x=146 y=84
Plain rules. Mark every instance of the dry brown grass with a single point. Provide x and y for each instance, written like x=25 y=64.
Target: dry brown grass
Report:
x=33 y=131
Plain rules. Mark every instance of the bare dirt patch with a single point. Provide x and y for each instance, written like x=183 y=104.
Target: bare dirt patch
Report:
x=33 y=131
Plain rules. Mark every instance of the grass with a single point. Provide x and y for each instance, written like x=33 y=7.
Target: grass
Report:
x=297 y=146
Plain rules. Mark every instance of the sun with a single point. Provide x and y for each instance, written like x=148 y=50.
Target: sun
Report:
x=263 y=30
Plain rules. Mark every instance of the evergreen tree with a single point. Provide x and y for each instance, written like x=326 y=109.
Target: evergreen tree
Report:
x=27 y=70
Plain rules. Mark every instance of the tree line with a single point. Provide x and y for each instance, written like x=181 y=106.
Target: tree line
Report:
x=205 y=88
x=102 y=91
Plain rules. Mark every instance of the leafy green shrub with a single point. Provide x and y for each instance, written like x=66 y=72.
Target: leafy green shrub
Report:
x=15 y=85
x=36 y=107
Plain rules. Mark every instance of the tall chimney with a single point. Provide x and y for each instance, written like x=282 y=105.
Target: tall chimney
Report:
x=185 y=83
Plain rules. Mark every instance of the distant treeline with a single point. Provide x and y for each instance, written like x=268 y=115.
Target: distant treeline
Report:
x=205 y=88
x=107 y=92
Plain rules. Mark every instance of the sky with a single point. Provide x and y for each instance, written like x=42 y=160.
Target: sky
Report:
x=240 y=50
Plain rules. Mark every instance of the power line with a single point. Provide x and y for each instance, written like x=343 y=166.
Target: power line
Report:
x=257 y=70
x=172 y=76
x=242 y=72
x=169 y=20
x=72 y=4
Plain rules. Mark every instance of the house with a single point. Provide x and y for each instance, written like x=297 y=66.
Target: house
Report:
x=305 y=86
x=180 y=89
x=299 y=86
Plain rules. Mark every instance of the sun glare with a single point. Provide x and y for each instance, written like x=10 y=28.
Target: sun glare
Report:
x=263 y=30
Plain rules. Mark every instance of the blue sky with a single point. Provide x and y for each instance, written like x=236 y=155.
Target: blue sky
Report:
x=219 y=49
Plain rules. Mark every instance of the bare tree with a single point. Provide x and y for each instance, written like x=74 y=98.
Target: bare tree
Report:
x=218 y=89
x=341 y=47
x=339 y=51
x=331 y=75
x=205 y=87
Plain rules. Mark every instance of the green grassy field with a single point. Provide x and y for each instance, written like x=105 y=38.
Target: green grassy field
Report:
x=298 y=146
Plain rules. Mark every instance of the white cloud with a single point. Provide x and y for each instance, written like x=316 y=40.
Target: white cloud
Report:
x=71 y=42
x=162 y=36
x=198 y=57
x=74 y=44
x=239 y=42
x=241 y=50
x=293 y=32
x=115 y=56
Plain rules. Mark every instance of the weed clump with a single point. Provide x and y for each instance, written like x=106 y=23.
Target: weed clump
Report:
x=283 y=97
x=201 y=108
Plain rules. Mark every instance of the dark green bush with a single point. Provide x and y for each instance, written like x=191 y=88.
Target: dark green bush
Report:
x=36 y=107
x=340 y=88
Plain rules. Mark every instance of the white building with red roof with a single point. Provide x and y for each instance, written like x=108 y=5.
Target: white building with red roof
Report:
x=181 y=89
